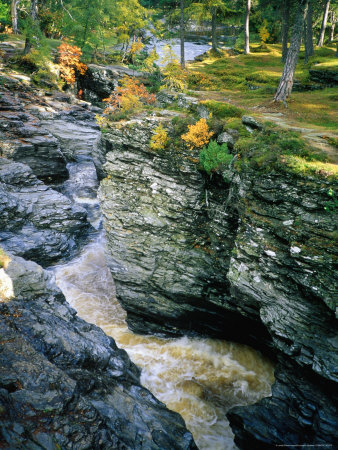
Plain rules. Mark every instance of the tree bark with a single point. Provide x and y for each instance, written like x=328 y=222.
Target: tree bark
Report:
x=214 y=28
x=246 y=28
x=333 y=25
x=309 y=50
x=286 y=81
x=182 y=33
x=285 y=29
x=14 y=15
x=324 y=22
x=34 y=16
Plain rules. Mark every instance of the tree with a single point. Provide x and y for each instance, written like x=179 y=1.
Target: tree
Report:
x=212 y=10
x=285 y=28
x=309 y=50
x=182 y=32
x=286 y=81
x=32 y=27
x=14 y=15
x=246 y=28
x=324 y=22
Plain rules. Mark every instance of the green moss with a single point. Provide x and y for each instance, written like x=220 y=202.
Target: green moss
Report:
x=276 y=149
x=222 y=110
x=236 y=124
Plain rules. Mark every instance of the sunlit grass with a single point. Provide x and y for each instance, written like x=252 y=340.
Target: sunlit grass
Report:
x=251 y=81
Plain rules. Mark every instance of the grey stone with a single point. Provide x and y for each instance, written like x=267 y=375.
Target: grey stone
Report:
x=226 y=138
x=252 y=122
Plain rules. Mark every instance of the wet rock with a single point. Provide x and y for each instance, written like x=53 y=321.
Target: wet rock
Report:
x=216 y=257
x=59 y=387
x=36 y=222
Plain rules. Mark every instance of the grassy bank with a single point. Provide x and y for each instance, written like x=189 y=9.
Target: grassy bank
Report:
x=250 y=81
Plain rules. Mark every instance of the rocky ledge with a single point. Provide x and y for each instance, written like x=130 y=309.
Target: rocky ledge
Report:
x=63 y=382
x=243 y=256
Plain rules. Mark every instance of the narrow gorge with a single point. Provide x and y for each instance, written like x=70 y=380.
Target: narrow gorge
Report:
x=132 y=283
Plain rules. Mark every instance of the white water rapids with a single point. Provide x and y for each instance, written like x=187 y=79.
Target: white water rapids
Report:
x=199 y=378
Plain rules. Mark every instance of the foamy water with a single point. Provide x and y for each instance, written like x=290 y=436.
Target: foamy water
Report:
x=199 y=378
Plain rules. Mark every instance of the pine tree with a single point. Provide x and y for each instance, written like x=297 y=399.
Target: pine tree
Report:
x=286 y=81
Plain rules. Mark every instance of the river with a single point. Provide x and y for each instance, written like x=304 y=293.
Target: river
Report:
x=199 y=378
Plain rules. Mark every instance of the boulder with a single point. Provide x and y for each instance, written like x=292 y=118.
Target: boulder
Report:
x=226 y=138
x=251 y=122
x=65 y=384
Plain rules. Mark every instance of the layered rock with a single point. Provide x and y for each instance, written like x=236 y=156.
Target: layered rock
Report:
x=64 y=383
x=36 y=222
x=243 y=256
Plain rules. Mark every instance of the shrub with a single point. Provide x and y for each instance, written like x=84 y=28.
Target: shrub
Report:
x=160 y=139
x=215 y=156
x=222 y=110
x=198 y=135
x=128 y=97
x=69 y=60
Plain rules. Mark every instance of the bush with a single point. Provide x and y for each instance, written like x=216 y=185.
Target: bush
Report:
x=198 y=135
x=222 y=110
x=214 y=157
x=160 y=139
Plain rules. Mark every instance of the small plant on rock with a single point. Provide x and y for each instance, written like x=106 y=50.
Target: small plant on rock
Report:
x=214 y=157
x=69 y=60
x=198 y=135
x=128 y=96
x=160 y=139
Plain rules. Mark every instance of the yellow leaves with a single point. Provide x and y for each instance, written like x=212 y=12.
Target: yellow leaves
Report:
x=160 y=139
x=198 y=135
x=69 y=60
x=136 y=47
x=263 y=31
x=128 y=96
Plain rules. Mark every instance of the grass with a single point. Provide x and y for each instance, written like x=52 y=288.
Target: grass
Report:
x=276 y=149
x=233 y=75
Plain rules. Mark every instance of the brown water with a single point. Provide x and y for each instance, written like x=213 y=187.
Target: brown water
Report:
x=199 y=378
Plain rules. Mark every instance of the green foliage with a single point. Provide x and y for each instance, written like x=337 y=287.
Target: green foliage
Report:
x=4 y=14
x=276 y=149
x=214 y=157
x=332 y=204
x=222 y=110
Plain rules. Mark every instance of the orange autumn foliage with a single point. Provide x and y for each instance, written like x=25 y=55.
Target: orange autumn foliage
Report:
x=69 y=60
x=128 y=96
x=198 y=135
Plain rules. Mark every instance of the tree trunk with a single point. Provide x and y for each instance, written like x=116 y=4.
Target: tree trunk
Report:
x=246 y=28
x=333 y=25
x=286 y=81
x=182 y=30
x=214 y=28
x=324 y=22
x=285 y=28
x=309 y=50
x=34 y=16
x=14 y=15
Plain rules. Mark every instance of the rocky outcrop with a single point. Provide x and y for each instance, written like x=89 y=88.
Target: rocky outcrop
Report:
x=242 y=256
x=36 y=222
x=99 y=81
x=64 y=383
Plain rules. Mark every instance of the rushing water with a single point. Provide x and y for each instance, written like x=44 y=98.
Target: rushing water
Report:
x=199 y=378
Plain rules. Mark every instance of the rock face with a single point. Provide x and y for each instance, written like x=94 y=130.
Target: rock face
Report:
x=99 y=81
x=244 y=257
x=65 y=384
x=36 y=222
